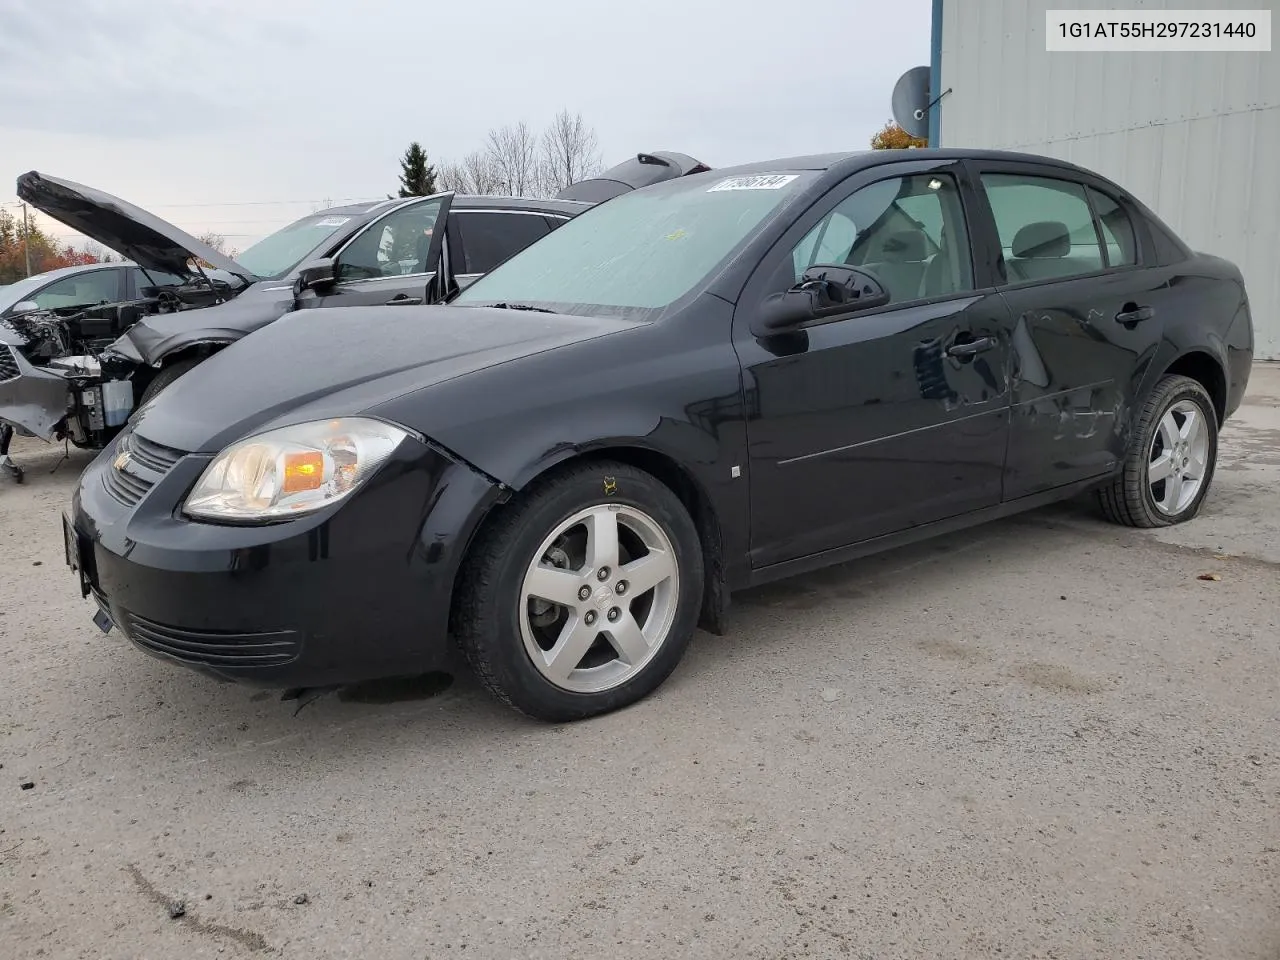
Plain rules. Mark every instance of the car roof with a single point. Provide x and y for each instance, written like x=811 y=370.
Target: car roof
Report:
x=569 y=207
x=845 y=163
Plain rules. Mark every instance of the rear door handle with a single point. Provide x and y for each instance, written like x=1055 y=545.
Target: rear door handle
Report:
x=403 y=301
x=971 y=347
x=1132 y=313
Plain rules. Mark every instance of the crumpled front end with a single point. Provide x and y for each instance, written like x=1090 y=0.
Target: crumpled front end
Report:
x=32 y=400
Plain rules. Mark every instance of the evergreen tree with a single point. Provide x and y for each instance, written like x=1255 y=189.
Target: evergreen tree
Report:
x=417 y=177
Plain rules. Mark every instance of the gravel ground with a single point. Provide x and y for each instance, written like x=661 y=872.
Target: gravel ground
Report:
x=1041 y=738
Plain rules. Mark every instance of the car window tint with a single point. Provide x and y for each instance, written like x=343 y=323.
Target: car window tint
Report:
x=395 y=246
x=1045 y=226
x=908 y=232
x=154 y=278
x=81 y=290
x=1117 y=230
x=489 y=238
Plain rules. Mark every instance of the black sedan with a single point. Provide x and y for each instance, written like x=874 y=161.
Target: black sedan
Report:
x=694 y=388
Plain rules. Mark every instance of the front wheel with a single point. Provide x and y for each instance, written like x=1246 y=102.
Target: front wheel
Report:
x=582 y=597
x=1171 y=459
x=166 y=376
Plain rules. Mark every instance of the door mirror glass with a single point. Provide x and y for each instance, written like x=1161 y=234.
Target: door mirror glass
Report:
x=824 y=290
x=316 y=274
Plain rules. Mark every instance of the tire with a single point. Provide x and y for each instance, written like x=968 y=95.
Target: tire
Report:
x=1132 y=498
x=166 y=376
x=511 y=638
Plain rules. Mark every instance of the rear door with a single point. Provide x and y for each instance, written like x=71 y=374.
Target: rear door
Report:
x=486 y=237
x=393 y=260
x=1072 y=268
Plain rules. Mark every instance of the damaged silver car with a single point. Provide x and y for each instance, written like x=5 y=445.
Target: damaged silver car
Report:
x=66 y=385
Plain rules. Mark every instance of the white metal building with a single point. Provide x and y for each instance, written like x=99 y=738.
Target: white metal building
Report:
x=1196 y=136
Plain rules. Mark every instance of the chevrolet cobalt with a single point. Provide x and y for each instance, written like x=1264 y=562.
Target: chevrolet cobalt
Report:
x=699 y=386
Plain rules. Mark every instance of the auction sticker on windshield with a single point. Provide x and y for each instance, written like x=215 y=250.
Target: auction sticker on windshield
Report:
x=768 y=181
x=332 y=221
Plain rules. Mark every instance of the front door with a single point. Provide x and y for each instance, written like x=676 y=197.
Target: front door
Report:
x=1084 y=315
x=883 y=419
x=392 y=261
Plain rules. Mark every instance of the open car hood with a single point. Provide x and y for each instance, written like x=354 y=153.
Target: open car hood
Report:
x=147 y=240
x=642 y=170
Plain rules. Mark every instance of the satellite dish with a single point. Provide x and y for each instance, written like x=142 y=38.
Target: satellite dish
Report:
x=911 y=102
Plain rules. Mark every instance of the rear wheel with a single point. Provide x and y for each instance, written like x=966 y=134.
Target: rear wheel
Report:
x=583 y=597
x=166 y=376
x=1171 y=458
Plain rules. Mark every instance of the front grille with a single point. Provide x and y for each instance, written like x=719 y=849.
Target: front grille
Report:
x=8 y=363
x=214 y=648
x=151 y=454
x=126 y=487
x=126 y=482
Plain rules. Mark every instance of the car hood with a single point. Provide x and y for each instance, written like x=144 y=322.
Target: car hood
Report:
x=131 y=231
x=342 y=361
x=157 y=336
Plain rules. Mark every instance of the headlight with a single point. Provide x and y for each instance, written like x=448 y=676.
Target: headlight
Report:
x=293 y=470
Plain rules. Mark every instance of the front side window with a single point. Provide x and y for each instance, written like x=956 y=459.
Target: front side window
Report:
x=154 y=278
x=1045 y=226
x=81 y=290
x=909 y=232
x=395 y=246
x=642 y=251
x=489 y=238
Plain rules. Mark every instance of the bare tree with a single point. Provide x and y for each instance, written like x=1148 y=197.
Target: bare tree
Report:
x=570 y=152
x=512 y=153
x=475 y=175
x=215 y=240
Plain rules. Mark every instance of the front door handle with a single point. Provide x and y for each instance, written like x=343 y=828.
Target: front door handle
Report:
x=401 y=300
x=1132 y=313
x=969 y=348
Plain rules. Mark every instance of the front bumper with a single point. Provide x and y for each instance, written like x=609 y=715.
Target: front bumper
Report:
x=355 y=592
x=32 y=400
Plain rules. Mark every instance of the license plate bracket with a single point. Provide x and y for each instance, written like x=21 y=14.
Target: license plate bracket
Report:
x=71 y=544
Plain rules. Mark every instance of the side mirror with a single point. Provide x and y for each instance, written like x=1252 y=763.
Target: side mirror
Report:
x=25 y=306
x=316 y=274
x=825 y=290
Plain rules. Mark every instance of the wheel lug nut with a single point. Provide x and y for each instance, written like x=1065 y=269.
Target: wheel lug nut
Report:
x=621 y=588
x=602 y=573
x=584 y=593
x=589 y=617
x=614 y=614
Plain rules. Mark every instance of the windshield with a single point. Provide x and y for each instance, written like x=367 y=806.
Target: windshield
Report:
x=640 y=252
x=274 y=256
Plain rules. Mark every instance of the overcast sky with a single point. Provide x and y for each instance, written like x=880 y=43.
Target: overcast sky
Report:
x=237 y=116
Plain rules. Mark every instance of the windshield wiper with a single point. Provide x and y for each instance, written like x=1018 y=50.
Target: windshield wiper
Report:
x=518 y=306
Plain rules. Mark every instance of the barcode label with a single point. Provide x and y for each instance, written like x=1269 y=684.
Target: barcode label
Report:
x=768 y=181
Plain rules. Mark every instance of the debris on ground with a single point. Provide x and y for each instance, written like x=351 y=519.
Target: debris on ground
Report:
x=178 y=908
x=1215 y=577
x=300 y=899
x=28 y=784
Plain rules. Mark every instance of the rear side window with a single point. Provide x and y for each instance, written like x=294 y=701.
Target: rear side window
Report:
x=489 y=238
x=80 y=290
x=1045 y=226
x=1117 y=230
